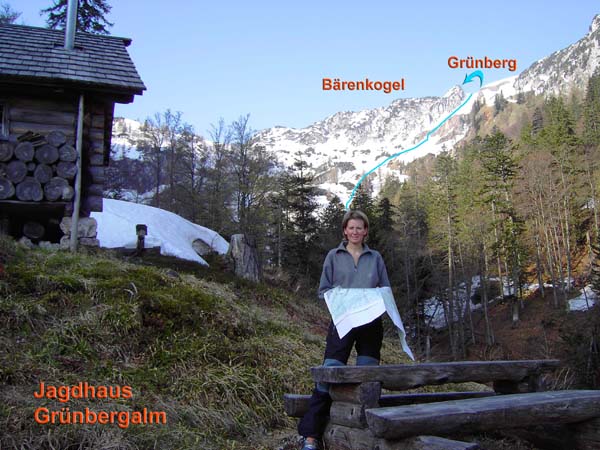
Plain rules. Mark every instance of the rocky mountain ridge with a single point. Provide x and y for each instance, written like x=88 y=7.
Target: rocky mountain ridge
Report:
x=347 y=144
x=344 y=146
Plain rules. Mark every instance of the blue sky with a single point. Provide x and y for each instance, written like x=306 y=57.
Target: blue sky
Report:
x=211 y=59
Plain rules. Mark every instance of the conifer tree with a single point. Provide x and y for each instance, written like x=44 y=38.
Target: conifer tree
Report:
x=591 y=110
x=499 y=103
x=301 y=255
x=330 y=224
x=537 y=121
x=500 y=168
x=7 y=14
x=91 y=15
x=383 y=222
x=591 y=140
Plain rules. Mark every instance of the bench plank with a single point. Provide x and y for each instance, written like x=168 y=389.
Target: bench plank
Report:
x=492 y=413
x=408 y=376
x=338 y=437
x=296 y=405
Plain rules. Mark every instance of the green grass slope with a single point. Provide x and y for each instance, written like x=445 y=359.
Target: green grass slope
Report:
x=213 y=352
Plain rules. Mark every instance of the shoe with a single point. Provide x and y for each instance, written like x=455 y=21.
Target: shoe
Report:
x=310 y=445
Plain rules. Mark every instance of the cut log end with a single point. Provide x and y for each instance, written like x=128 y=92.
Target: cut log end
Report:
x=7 y=189
x=25 y=151
x=16 y=171
x=6 y=151
x=29 y=190
x=53 y=189
x=46 y=154
x=34 y=230
x=66 y=170
x=67 y=153
x=56 y=138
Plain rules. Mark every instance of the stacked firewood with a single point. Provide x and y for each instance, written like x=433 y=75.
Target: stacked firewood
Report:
x=36 y=169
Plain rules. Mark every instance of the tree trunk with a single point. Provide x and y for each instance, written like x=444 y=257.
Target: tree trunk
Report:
x=489 y=332
x=497 y=242
x=538 y=262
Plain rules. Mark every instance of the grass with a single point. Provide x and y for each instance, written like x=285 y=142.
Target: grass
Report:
x=214 y=352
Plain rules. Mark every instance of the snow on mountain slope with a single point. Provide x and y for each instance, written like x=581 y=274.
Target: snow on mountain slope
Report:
x=566 y=69
x=344 y=146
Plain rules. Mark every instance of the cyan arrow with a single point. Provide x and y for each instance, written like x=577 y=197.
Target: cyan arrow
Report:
x=478 y=74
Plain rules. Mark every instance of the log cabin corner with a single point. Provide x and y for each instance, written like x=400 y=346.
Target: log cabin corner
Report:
x=57 y=103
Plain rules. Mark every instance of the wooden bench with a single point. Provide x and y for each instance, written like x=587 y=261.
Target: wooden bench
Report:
x=484 y=414
x=363 y=419
x=296 y=405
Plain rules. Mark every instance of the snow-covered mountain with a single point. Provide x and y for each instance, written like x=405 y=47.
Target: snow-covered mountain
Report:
x=344 y=146
x=565 y=69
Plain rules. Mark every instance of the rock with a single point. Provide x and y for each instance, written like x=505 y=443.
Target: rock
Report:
x=49 y=245
x=65 y=242
x=201 y=247
x=25 y=241
x=244 y=258
x=87 y=227
x=89 y=242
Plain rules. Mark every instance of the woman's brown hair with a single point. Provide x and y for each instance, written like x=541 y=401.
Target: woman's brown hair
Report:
x=356 y=215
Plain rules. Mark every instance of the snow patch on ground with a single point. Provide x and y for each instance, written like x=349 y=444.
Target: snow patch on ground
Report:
x=174 y=234
x=580 y=303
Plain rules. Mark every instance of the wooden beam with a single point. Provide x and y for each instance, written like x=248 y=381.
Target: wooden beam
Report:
x=408 y=376
x=348 y=414
x=338 y=437
x=482 y=414
x=296 y=405
x=360 y=393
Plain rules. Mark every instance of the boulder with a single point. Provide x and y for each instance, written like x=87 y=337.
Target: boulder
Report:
x=87 y=227
x=201 y=247
x=243 y=256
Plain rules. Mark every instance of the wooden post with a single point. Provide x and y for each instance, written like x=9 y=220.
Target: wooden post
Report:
x=77 y=199
x=141 y=230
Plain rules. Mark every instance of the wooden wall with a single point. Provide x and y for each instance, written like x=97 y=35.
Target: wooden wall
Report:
x=42 y=113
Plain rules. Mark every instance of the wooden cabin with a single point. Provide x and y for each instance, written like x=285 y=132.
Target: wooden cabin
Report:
x=45 y=91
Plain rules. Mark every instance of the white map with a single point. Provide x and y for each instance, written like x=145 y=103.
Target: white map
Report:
x=350 y=308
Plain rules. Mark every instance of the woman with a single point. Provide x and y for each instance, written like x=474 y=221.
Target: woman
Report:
x=350 y=265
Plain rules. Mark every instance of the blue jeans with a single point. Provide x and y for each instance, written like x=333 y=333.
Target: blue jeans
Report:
x=368 y=339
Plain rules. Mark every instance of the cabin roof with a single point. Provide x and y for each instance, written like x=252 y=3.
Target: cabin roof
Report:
x=33 y=55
